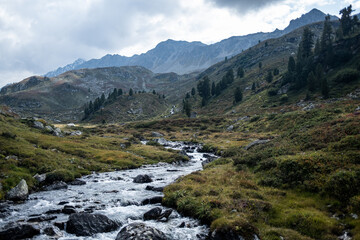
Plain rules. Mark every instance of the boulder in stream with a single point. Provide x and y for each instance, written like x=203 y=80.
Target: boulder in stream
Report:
x=86 y=224
x=140 y=231
x=142 y=179
x=20 y=232
x=152 y=200
x=56 y=186
x=152 y=214
x=18 y=193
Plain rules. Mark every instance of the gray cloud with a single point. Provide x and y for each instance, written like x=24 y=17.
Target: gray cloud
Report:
x=243 y=6
x=41 y=35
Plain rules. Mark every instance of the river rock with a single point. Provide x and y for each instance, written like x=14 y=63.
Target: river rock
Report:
x=40 y=177
x=142 y=179
x=56 y=186
x=77 y=182
x=156 y=134
x=155 y=189
x=49 y=128
x=139 y=231
x=68 y=209
x=41 y=218
x=152 y=214
x=52 y=232
x=18 y=193
x=256 y=142
x=164 y=217
x=20 y=232
x=153 y=200
x=86 y=224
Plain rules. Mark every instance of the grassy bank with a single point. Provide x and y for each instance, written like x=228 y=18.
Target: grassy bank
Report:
x=25 y=151
x=295 y=186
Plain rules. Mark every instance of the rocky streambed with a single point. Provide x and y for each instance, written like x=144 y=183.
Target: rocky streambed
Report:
x=114 y=205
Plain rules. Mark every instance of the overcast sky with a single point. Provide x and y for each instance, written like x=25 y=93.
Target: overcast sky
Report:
x=37 y=36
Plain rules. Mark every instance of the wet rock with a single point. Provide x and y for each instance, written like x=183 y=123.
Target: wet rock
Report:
x=54 y=211
x=40 y=177
x=256 y=142
x=152 y=214
x=20 y=232
x=38 y=125
x=52 y=232
x=182 y=225
x=155 y=189
x=60 y=225
x=156 y=134
x=86 y=224
x=164 y=217
x=63 y=202
x=41 y=219
x=153 y=200
x=142 y=179
x=68 y=209
x=140 y=231
x=77 y=182
x=19 y=193
x=56 y=186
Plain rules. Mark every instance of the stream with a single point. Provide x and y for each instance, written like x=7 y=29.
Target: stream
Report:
x=115 y=195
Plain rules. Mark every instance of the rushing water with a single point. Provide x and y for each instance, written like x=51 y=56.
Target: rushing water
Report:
x=115 y=195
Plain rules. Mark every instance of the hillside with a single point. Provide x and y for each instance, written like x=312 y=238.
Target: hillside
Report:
x=62 y=98
x=125 y=108
x=184 y=57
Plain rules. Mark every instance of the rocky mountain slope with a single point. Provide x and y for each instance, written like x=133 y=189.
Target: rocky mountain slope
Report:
x=63 y=97
x=185 y=57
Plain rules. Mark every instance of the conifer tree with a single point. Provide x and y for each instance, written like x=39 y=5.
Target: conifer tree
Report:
x=187 y=108
x=291 y=64
x=240 y=72
x=204 y=89
x=269 y=77
x=193 y=91
x=120 y=92
x=131 y=92
x=311 y=81
x=346 y=22
x=238 y=95
x=324 y=88
x=253 y=86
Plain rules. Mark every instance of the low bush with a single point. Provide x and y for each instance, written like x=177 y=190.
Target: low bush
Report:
x=60 y=175
x=343 y=185
x=346 y=75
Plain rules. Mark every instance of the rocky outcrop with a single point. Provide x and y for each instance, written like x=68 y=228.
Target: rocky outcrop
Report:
x=139 y=231
x=142 y=179
x=86 y=224
x=256 y=142
x=20 y=232
x=18 y=193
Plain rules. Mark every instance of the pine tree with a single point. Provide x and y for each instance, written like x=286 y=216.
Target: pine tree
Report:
x=291 y=64
x=240 y=72
x=193 y=91
x=319 y=75
x=131 y=92
x=253 y=87
x=317 y=49
x=260 y=65
x=91 y=107
x=346 y=20
x=326 y=39
x=187 y=95
x=238 y=95
x=306 y=45
x=102 y=99
x=213 y=89
x=276 y=71
x=120 y=92
x=187 y=107
x=269 y=77
x=324 y=88
x=154 y=92
x=229 y=77
x=204 y=89
x=311 y=81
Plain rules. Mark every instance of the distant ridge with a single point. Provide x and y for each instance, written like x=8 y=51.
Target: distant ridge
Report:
x=184 y=57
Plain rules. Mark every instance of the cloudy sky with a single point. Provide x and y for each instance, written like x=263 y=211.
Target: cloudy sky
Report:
x=37 y=36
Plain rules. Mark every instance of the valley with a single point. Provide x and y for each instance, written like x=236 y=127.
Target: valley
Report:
x=263 y=144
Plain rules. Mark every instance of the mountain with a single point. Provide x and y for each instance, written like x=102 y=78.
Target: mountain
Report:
x=185 y=57
x=62 y=98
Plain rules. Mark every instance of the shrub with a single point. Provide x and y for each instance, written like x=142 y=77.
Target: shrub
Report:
x=284 y=98
x=272 y=92
x=355 y=204
x=59 y=175
x=291 y=172
x=343 y=185
x=346 y=75
x=8 y=135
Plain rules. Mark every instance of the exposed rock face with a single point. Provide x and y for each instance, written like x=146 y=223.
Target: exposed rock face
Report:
x=142 y=179
x=38 y=125
x=86 y=224
x=256 y=142
x=20 y=232
x=18 y=193
x=139 y=231
x=156 y=134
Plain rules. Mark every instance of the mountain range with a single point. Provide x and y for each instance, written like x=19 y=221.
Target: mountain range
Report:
x=185 y=57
